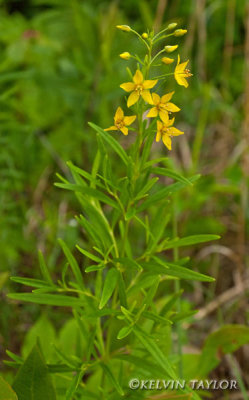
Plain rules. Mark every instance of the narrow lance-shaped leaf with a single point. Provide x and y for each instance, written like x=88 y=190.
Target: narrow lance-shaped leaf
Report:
x=44 y=268
x=37 y=283
x=49 y=299
x=163 y=192
x=112 y=378
x=171 y=174
x=158 y=266
x=73 y=263
x=156 y=353
x=112 y=142
x=109 y=286
x=89 y=255
x=189 y=240
x=88 y=191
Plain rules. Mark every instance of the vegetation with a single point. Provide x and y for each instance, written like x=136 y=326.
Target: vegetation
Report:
x=137 y=285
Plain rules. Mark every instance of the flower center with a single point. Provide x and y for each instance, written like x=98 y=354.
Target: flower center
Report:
x=187 y=72
x=139 y=88
x=166 y=131
x=119 y=124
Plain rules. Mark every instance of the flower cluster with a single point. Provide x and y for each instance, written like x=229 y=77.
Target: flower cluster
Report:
x=139 y=88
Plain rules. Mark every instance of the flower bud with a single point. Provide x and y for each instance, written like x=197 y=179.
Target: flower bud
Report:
x=169 y=49
x=145 y=35
x=180 y=32
x=125 y=55
x=172 y=26
x=167 y=60
x=125 y=28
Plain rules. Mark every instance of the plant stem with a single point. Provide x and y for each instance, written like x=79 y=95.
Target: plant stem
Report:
x=177 y=289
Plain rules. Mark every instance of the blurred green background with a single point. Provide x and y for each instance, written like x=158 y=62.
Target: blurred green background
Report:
x=59 y=69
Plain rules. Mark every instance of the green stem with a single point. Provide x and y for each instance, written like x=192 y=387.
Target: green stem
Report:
x=177 y=289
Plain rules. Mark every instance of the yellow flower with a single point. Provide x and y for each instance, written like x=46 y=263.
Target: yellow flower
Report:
x=165 y=130
x=139 y=87
x=125 y=28
x=125 y=56
x=162 y=106
x=180 y=32
x=145 y=35
x=172 y=25
x=121 y=122
x=181 y=73
x=167 y=60
x=169 y=49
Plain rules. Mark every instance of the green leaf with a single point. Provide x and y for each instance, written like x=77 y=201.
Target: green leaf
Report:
x=171 y=174
x=109 y=286
x=89 y=255
x=30 y=282
x=73 y=263
x=44 y=330
x=189 y=240
x=74 y=385
x=226 y=340
x=112 y=378
x=44 y=268
x=125 y=331
x=142 y=364
x=164 y=192
x=144 y=191
x=6 y=393
x=33 y=380
x=164 y=267
x=84 y=174
x=156 y=353
x=88 y=191
x=112 y=142
x=49 y=299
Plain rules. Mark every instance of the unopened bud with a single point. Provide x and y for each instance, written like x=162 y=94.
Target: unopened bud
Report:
x=167 y=60
x=180 y=32
x=125 y=28
x=169 y=49
x=172 y=26
x=145 y=35
x=125 y=55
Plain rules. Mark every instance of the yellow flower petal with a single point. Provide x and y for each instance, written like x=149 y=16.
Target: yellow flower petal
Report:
x=158 y=136
x=128 y=86
x=167 y=141
x=138 y=77
x=181 y=67
x=132 y=99
x=119 y=114
x=171 y=107
x=152 y=113
x=159 y=125
x=146 y=96
x=167 y=97
x=171 y=122
x=181 y=80
x=175 y=132
x=162 y=114
x=156 y=99
x=165 y=118
x=129 y=120
x=112 y=128
x=149 y=84
x=124 y=130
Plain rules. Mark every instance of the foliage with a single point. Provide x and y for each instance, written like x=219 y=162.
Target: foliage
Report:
x=59 y=69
